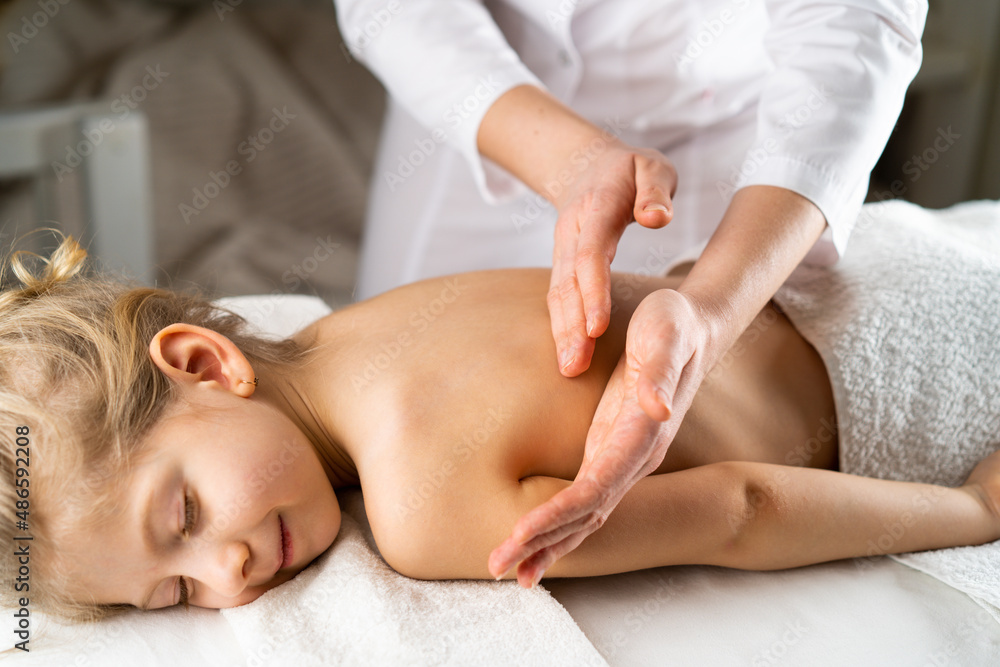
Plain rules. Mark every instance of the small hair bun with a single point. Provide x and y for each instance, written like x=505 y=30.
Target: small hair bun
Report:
x=65 y=262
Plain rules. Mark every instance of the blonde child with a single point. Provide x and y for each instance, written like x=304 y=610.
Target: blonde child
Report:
x=175 y=458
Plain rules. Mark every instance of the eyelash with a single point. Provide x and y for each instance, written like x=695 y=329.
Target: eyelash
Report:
x=188 y=516
x=186 y=532
x=184 y=593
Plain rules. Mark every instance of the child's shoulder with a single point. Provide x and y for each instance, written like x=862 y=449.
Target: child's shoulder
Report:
x=473 y=288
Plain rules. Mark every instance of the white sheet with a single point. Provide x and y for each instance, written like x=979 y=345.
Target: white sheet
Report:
x=824 y=615
x=830 y=615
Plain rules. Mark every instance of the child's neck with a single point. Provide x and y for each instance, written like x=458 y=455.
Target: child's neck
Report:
x=305 y=397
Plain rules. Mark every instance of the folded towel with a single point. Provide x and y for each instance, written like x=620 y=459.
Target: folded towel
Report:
x=350 y=608
x=907 y=325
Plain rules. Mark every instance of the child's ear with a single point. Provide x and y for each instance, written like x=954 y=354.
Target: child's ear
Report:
x=188 y=353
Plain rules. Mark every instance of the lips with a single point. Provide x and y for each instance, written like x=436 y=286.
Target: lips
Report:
x=286 y=545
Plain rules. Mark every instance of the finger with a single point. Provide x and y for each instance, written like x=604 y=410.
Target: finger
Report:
x=565 y=307
x=556 y=535
x=624 y=453
x=512 y=552
x=607 y=410
x=655 y=184
x=617 y=446
x=577 y=346
x=571 y=504
x=570 y=507
x=531 y=570
x=595 y=252
x=659 y=377
x=602 y=480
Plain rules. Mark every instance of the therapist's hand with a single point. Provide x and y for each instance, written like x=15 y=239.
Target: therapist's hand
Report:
x=598 y=184
x=655 y=380
x=674 y=339
x=609 y=189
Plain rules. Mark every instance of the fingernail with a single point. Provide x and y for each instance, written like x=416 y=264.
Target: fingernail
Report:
x=503 y=574
x=656 y=207
x=567 y=358
x=536 y=579
x=591 y=325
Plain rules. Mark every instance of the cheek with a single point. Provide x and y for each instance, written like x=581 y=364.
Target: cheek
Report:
x=299 y=482
x=276 y=474
x=323 y=517
x=293 y=463
x=325 y=521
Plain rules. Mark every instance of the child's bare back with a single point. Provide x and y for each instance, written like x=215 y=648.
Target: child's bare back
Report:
x=461 y=421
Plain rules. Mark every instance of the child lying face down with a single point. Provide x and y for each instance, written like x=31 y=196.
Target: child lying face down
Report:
x=176 y=459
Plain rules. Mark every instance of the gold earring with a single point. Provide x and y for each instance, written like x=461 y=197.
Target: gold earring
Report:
x=254 y=383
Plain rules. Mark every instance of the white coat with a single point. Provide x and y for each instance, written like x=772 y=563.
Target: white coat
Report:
x=800 y=94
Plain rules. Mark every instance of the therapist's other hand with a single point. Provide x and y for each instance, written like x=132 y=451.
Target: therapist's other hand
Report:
x=607 y=185
x=666 y=357
x=597 y=183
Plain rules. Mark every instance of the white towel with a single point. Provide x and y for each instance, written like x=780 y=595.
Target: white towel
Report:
x=907 y=324
x=350 y=608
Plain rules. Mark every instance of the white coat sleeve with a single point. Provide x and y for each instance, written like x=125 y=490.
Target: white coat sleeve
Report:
x=827 y=110
x=446 y=62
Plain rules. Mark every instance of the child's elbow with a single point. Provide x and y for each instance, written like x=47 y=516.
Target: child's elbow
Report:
x=752 y=503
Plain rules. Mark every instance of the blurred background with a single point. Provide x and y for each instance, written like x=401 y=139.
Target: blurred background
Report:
x=228 y=144
x=224 y=144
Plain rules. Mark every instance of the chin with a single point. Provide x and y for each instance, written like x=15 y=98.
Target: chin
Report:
x=317 y=548
x=246 y=597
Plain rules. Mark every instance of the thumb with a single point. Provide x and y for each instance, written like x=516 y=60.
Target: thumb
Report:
x=658 y=378
x=655 y=183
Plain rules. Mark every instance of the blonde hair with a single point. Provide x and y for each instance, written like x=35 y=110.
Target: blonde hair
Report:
x=76 y=377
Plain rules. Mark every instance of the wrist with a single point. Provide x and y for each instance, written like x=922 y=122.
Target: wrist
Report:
x=764 y=234
x=720 y=327
x=539 y=140
x=990 y=511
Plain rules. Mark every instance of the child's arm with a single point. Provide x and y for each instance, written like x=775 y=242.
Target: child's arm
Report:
x=736 y=514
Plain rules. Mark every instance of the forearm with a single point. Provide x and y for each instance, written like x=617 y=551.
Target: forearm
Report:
x=759 y=516
x=764 y=234
x=800 y=516
x=538 y=139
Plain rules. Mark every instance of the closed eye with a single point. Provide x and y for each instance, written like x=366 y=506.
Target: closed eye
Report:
x=189 y=521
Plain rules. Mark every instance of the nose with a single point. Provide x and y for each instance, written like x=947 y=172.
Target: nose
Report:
x=222 y=566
